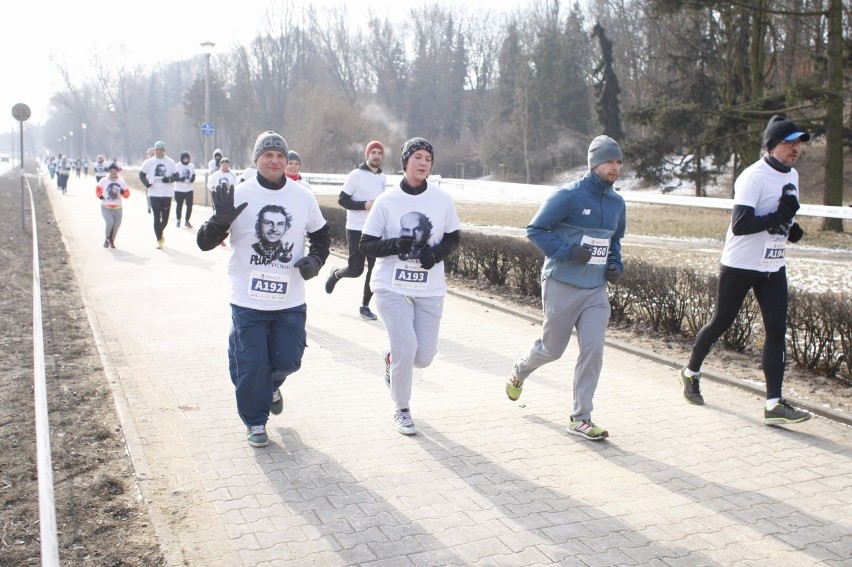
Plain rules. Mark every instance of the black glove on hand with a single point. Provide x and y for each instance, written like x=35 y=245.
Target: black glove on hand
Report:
x=309 y=266
x=612 y=274
x=428 y=259
x=165 y=179
x=796 y=233
x=223 y=203
x=403 y=244
x=788 y=204
x=581 y=254
x=101 y=197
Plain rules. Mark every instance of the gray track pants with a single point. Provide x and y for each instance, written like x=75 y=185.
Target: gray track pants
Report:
x=112 y=221
x=412 y=324
x=567 y=307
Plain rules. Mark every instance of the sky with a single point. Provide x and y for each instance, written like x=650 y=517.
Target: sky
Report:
x=35 y=34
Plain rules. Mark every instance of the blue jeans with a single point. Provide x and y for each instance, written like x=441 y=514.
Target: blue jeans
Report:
x=264 y=347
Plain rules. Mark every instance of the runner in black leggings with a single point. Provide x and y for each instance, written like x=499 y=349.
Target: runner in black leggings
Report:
x=766 y=198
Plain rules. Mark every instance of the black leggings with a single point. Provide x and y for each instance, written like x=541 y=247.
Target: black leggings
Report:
x=160 y=206
x=180 y=198
x=770 y=290
x=355 y=265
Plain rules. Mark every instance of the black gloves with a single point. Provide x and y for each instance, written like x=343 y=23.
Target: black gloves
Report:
x=788 y=204
x=612 y=274
x=309 y=266
x=428 y=258
x=165 y=179
x=581 y=254
x=796 y=233
x=403 y=244
x=223 y=203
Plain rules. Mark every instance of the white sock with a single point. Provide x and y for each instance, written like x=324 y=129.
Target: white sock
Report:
x=690 y=373
x=772 y=402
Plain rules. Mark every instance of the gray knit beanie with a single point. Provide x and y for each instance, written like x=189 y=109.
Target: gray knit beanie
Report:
x=293 y=156
x=268 y=141
x=603 y=148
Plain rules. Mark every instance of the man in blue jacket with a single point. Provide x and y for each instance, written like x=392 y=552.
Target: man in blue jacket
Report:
x=579 y=228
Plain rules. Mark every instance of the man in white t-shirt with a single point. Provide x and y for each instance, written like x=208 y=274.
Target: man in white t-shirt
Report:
x=362 y=186
x=183 y=188
x=158 y=174
x=766 y=198
x=269 y=227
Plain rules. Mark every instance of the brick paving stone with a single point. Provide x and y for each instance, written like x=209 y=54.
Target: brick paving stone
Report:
x=486 y=482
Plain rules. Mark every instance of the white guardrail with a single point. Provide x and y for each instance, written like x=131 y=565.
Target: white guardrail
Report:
x=502 y=192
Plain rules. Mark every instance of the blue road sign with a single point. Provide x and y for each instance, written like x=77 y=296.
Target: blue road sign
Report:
x=207 y=129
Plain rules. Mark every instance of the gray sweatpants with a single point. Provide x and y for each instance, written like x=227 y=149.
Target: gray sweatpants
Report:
x=567 y=307
x=412 y=324
x=112 y=221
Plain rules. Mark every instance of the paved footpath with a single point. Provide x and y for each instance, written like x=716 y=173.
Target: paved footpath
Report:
x=485 y=482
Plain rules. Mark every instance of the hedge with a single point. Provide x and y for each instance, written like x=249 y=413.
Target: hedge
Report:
x=662 y=299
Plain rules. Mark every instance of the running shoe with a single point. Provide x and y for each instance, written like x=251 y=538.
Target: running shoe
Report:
x=404 y=423
x=365 y=312
x=691 y=387
x=514 y=385
x=277 y=402
x=784 y=413
x=331 y=281
x=585 y=428
x=256 y=435
x=187 y=225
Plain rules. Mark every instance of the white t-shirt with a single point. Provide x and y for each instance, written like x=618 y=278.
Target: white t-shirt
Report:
x=155 y=170
x=185 y=171
x=362 y=185
x=100 y=169
x=759 y=186
x=112 y=190
x=220 y=176
x=267 y=239
x=427 y=217
x=248 y=173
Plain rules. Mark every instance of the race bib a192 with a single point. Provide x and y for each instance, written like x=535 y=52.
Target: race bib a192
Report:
x=599 y=248
x=409 y=275
x=268 y=287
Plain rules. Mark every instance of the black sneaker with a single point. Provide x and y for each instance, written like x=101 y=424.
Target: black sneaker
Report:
x=331 y=281
x=783 y=413
x=277 y=403
x=178 y=224
x=366 y=313
x=691 y=388
x=187 y=225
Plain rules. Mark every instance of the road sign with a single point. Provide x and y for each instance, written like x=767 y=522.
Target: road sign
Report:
x=207 y=129
x=21 y=112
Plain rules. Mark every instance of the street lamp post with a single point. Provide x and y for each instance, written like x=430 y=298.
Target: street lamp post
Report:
x=71 y=142
x=83 y=126
x=207 y=47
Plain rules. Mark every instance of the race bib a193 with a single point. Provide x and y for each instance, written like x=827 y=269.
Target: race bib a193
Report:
x=268 y=287
x=409 y=275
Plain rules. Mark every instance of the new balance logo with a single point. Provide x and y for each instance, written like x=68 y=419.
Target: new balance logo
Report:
x=587 y=212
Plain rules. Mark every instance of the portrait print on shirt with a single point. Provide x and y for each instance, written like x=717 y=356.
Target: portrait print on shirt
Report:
x=273 y=222
x=113 y=191
x=418 y=227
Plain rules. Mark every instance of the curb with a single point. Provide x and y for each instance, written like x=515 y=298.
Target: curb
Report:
x=829 y=413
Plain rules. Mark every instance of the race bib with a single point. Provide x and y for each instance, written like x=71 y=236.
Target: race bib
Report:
x=773 y=251
x=407 y=275
x=599 y=247
x=268 y=287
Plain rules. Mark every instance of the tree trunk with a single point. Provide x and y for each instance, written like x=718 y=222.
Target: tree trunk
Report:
x=833 y=188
